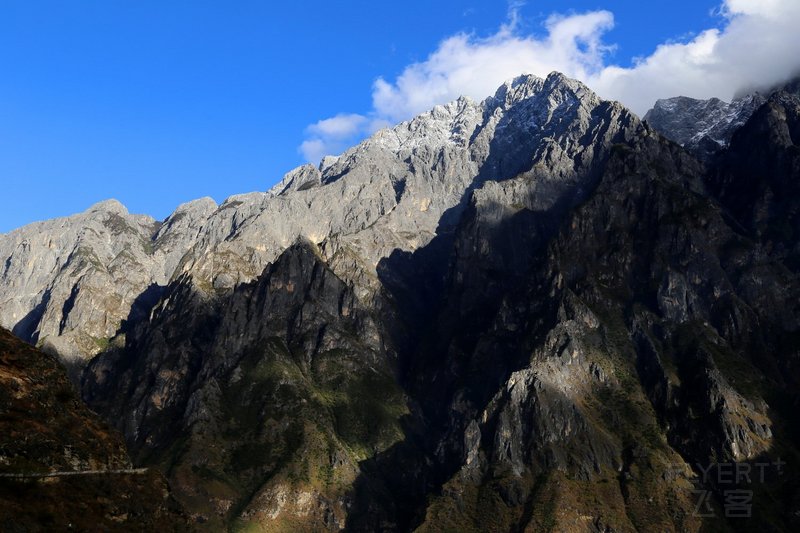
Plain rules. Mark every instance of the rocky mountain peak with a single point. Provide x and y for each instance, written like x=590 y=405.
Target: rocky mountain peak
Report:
x=702 y=126
x=300 y=178
x=555 y=88
x=518 y=89
x=204 y=205
x=187 y=215
x=393 y=192
x=108 y=206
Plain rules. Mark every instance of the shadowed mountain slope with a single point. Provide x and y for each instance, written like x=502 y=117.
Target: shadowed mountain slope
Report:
x=45 y=429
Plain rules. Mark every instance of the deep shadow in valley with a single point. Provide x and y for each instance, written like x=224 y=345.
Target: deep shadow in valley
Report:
x=447 y=298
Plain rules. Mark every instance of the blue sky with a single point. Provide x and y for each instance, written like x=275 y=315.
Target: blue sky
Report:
x=156 y=103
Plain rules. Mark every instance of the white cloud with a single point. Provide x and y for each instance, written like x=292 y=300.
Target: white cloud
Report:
x=465 y=65
x=314 y=150
x=769 y=8
x=342 y=125
x=756 y=47
x=332 y=135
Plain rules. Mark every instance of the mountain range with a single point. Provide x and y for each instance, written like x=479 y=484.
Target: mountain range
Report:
x=536 y=312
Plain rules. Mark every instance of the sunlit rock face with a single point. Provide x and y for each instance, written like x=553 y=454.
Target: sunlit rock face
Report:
x=68 y=284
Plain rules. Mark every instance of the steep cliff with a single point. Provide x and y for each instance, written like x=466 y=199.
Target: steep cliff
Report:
x=258 y=403
x=68 y=284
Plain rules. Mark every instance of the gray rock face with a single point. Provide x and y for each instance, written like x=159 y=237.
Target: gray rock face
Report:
x=701 y=126
x=391 y=191
x=57 y=275
x=632 y=346
x=178 y=232
x=69 y=283
x=299 y=179
x=285 y=377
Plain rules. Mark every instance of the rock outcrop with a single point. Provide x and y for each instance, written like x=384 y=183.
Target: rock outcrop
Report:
x=703 y=127
x=68 y=284
x=260 y=403
x=637 y=349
